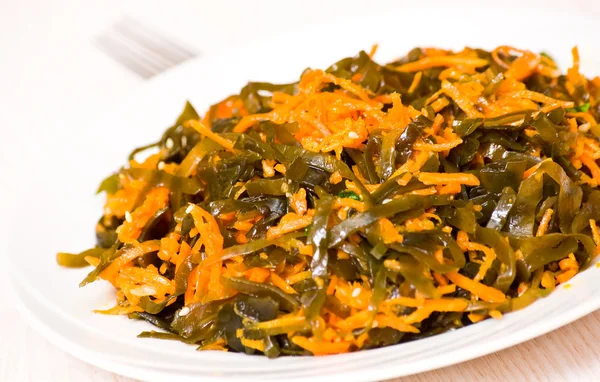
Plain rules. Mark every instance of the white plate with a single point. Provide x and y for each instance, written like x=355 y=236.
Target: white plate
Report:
x=67 y=165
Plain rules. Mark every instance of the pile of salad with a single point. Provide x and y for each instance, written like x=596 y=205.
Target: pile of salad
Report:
x=363 y=206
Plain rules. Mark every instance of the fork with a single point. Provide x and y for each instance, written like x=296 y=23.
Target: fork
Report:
x=142 y=50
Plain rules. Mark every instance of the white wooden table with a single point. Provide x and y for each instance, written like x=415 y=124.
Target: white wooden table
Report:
x=50 y=72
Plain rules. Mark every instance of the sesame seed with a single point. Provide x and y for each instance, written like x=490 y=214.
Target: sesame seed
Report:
x=184 y=311
x=353 y=135
x=585 y=127
x=161 y=165
x=189 y=209
x=355 y=292
x=284 y=187
x=375 y=324
x=128 y=217
x=169 y=143
x=184 y=141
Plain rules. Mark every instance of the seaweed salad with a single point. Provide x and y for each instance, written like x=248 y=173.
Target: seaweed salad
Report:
x=363 y=206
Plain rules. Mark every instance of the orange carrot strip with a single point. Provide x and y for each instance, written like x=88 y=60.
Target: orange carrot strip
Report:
x=282 y=284
x=394 y=322
x=437 y=61
x=258 y=275
x=538 y=97
x=433 y=178
x=206 y=132
x=480 y=290
x=541 y=231
x=321 y=347
x=437 y=147
x=592 y=165
x=415 y=82
x=289 y=223
x=531 y=170
x=566 y=276
x=129 y=254
x=373 y=50
x=253 y=344
x=586 y=116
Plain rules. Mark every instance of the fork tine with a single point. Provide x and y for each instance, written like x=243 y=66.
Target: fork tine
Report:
x=154 y=58
x=120 y=53
x=157 y=43
x=141 y=49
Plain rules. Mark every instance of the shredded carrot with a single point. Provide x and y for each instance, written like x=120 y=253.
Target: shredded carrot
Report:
x=289 y=223
x=351 y=203
x=439 y=104
x=543 y=227
x=398 y=323
x=433 y=178
x=93 y=261
x=446 y=289
x=300 y=276
x=415 y=82
x=282 y=284
x=253 y=344
x=132 y=227
x=217 y=345
x=568 y=262
x=438 y=277
x=128 y=255
x=436 y=147
x=548 y=281
x=566 y=276
x=538 y=97
x=475 y=317
x=480 y=290
x=335 y=178
x=259 y=275
x=388 y=233
x=450 y=189
x=210 y=234
x=205 y=131
x=289 y=321
x=298 y=202
x=268 y=166
x=496 y=314
x=531 y=170
x=437 y=61
x=523 y=66
x=373 y=51
x=592 y=166
x=586 y=116
x=404 y=179
x=321 y=347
